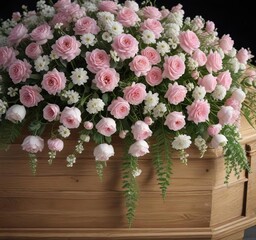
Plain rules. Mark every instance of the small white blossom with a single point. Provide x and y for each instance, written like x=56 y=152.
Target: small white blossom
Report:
x=182 y=56
x=3 y=106
x=136 y=172
x=115 y=28
x=192 y=64
x=106 y=36
x=148 y=37
x=190 y=86
x=85 y=138
x=163 y=47
x=12 y=92
x=105 y=17
x=151 y=100
x=159 y=110
x=234 y=65
x=88 y=39
x=71 y=159
x=79 y=76
x=181 y=142
x=219 y=92
x=232 y=52
x=199 y=92
x=114 y=56
x=53 y=56
x=200 y=143
x=42 y=63
x=176 y=17
x=63 y=131
x=72 y=96
x=90 y=7
x=58 y=25
x=95 y=105
x=48 y=11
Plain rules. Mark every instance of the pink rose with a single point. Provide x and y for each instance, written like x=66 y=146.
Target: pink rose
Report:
x=135 y=94
x=7 y=56
x=210 y=26
x=239 y=95
x=139 y=148
x=108 y=6
x=71 y=117
x=164 y=13
x=175 y=121
x=74 y=11
x=67 y=47
x=154 y=76
x=86 y=25
x=152 y=55
x=226 y=115
x=127 y=17
x=119 y=108
x=51 y=112
x=106 y=79
x=226 y=43
x=174 y=67
x=54 y=81
x=140 y=65
x=214 y=129
x=103 y=152
x=153 y=25
x=30 y=95
x=214 y=62
x=224 y=79
x=209 y=82
x=106 y=126
x=243 y=55
x=61 y=4
x=148 y=120
x=55 y=144
x=17 y=34
x=200 y=57
x=97 y=60
x=195 y=74
x=41 y=34
x=19 y=71
x=234 y=103
x=176 y=93
x=141 y=131
x=33 y=144
x=198 y=111
x=125 y=45
x=16 y=16
x=61 y=17
x=132 y=5
x=151 y=12
x=16 y=113
x=88 y=125
x=33 y=50
x=189 y=41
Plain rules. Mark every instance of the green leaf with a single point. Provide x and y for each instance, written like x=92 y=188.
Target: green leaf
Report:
x=105 y=98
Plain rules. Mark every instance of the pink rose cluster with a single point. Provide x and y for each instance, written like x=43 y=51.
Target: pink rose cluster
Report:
x=110 y=68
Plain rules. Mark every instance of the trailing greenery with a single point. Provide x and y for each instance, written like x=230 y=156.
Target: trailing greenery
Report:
x=9 y=133
x=130 y=186
x=234 y=154
x=162 y=159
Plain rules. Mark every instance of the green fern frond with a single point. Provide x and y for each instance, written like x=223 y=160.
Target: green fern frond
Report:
x=162 y=159
x=9 y=133
x=234 y=154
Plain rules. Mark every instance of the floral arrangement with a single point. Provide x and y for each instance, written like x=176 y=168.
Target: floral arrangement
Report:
x=137 y=71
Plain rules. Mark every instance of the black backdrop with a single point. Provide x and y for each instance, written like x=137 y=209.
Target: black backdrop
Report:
x=236 y=18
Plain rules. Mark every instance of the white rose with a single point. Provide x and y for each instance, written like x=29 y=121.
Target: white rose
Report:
x=103 y=152
x=239 y=95
x=33 y=144
x=218 y=140
x=139 y=148
x=16 y=113
x=181 y=142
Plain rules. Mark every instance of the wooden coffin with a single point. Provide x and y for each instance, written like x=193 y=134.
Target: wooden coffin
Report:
x=72 y=203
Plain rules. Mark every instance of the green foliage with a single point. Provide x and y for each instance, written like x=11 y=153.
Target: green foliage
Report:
x=9 y=133
x=130 y=187
x=234 y=154
x=162 y=158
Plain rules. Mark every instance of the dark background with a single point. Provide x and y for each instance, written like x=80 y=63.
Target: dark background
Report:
x=236 y=18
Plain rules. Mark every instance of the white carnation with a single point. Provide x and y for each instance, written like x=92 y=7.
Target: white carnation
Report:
x=163 y=47
x=63 y=131
x=79 y=76
x=42 y=63
x=219 y=92
x=159 y=110
x=95 y=105
x=115 y=28
x=181 y=142
x=148 y=37
x=106 y=36
x=151 y=100
x=88 y=39
x=199 y=92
